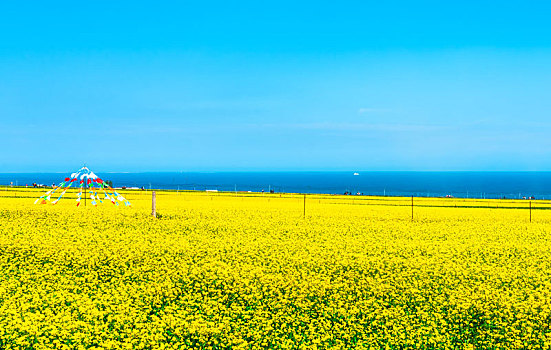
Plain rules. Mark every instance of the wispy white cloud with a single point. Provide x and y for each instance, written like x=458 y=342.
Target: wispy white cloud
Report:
x=355 y=126
x=367 y=110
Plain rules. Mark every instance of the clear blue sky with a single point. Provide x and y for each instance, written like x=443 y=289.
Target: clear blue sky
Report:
x=283 y=85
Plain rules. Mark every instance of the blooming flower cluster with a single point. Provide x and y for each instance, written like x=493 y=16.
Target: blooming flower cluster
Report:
x=227 y=271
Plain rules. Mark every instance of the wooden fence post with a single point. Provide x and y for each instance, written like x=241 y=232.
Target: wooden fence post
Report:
x=304 y=210
x=154 y=204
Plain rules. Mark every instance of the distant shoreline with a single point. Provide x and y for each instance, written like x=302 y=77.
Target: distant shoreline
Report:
x=481 y=185
x=31 y=192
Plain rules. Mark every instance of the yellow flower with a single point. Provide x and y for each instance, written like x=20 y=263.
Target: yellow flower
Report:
x=226 y=271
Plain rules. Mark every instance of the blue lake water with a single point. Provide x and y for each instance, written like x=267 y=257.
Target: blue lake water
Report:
x=433 y=184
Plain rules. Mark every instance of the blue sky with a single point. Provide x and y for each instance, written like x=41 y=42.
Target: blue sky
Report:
x=216 y=86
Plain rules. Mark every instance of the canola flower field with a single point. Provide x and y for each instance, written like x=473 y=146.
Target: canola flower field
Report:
x=251 y=271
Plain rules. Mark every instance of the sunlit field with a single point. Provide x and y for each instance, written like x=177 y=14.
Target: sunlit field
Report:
x=250 y=271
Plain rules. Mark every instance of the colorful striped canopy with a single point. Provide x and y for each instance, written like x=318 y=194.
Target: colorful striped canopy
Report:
x=90 y=183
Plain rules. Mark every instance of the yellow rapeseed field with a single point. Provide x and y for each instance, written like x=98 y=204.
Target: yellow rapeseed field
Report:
x=249 y=271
